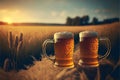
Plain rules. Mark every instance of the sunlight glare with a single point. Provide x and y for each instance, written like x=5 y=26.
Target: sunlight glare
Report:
x=8 y=20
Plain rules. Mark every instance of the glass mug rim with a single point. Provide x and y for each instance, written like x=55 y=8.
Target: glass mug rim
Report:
x=88 y=34
x=64 y=34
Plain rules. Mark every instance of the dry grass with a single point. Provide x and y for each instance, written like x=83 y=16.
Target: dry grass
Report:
x=44 y=70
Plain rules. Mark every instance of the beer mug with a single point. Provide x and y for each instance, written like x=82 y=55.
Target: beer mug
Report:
x=63 y=48
x=89 y=43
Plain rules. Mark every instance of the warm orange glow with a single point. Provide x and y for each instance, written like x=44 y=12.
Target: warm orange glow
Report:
x=8 y=20
x=15 y=15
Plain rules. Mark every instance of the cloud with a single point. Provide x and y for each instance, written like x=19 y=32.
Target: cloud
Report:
x=101 y=16
x=101 y=10
x=97 y=11
x=63 y=14
x=80 y=12
x=83 y=11
x=54 y=13
x=14 y=3
x=58 y=13
x=106 y=10
x=14 y=15
x=56 y=17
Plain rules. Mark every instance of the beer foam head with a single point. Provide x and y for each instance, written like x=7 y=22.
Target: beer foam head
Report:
x=87 y=34
x=59 y=35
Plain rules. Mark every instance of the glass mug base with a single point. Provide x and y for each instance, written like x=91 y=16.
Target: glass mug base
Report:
x=82 y=64
x=64 y=66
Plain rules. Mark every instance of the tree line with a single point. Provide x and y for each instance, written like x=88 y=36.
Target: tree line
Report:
x=3 y=23
x=84 y=20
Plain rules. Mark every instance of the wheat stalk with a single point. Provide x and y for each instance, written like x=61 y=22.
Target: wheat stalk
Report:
x=18 y=46
x=14 y=46
x=10 y=39
x=21 y=37
x=16 y=42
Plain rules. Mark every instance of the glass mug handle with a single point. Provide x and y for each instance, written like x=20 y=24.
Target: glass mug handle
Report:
x=44 y=48
x=108 y=44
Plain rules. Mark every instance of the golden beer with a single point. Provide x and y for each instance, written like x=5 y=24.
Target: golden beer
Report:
x=88 y=48
x=64 y=47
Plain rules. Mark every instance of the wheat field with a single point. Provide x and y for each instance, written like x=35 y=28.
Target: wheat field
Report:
x=33 y=37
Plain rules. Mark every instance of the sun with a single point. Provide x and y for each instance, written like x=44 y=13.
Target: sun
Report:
x=8 y=20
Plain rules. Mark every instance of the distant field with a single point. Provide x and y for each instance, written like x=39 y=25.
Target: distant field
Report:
x=33 y=37
x=31 y=34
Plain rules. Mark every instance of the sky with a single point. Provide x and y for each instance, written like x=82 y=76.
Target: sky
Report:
x=56 y=11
